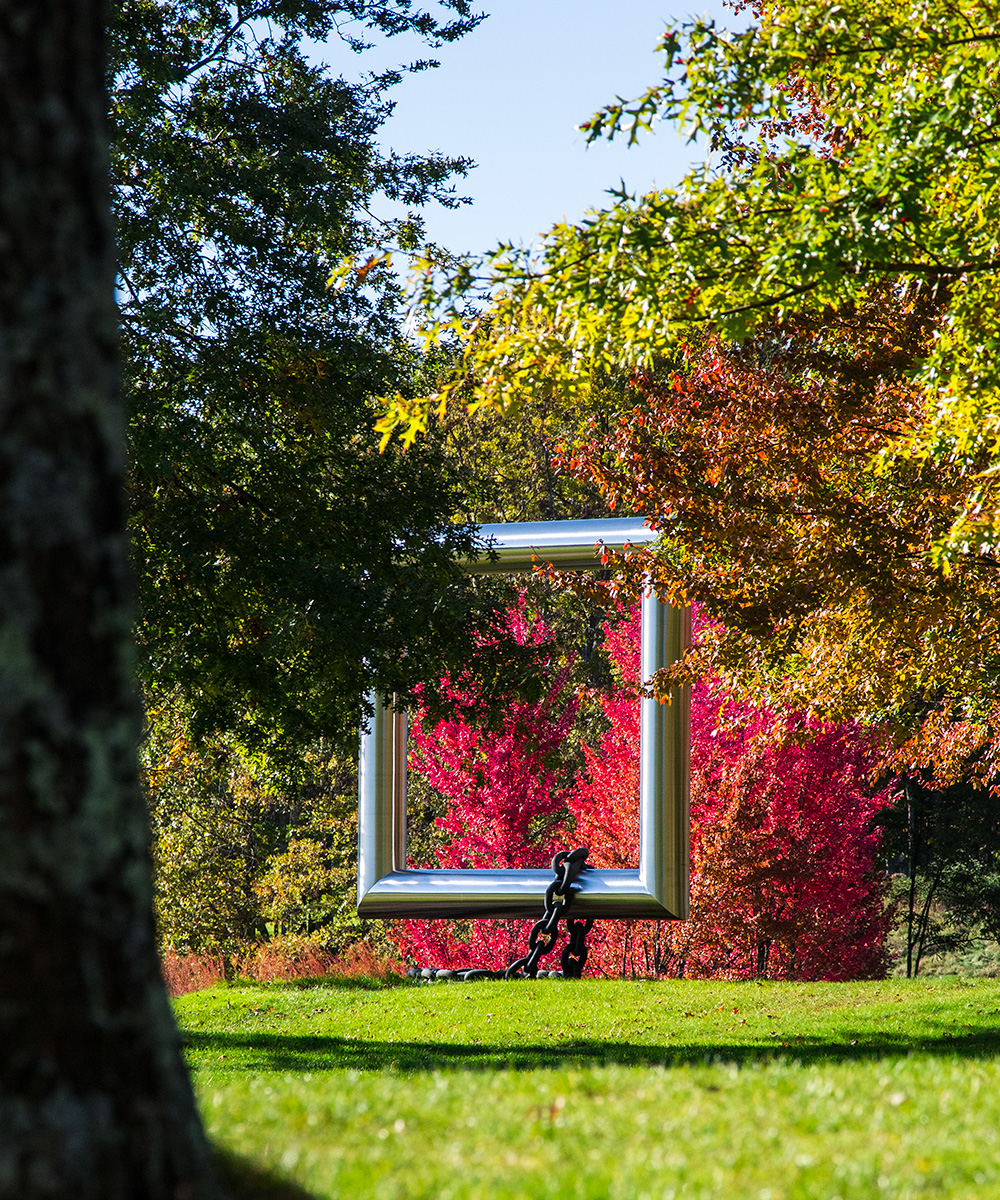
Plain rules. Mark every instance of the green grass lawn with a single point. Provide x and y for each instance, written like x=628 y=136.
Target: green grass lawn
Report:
x=605 y=1089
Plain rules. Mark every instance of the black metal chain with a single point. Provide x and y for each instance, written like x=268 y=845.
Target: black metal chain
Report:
x=544 y=934
x=566 y=865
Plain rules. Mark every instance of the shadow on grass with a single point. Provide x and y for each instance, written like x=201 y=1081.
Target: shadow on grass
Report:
x=244 y=1179
x=274 y=1052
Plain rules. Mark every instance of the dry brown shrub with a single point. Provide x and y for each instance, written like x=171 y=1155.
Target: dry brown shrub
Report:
x=184 y=973
x=300 y=958
x=267 y=962
x=359 y=959
x=282 y=959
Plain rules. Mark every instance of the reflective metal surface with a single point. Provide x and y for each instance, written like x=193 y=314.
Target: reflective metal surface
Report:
x=572 y=545
x=375 y=799
x=658 y=888
x=665 y=763
x=504 y=893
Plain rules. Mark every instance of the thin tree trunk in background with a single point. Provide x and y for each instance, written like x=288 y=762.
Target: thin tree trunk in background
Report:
x=911 y=825
x=923 y=923
x=94 y=1098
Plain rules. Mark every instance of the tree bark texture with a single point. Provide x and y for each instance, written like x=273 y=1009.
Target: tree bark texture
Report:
x=94 y=1098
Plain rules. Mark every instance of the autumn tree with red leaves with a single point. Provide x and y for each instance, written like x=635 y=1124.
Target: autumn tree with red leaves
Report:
x=811 y=327
x=784 y=878
x=506 y=803
x=784 y=882
x=816 y=567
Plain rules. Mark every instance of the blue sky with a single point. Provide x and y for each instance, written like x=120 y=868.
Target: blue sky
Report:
x=509 y=96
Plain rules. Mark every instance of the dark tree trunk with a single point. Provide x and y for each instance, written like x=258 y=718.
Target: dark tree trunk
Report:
x=762 y=957
x=924 y=920
x=94 y=1099
x=911 y=830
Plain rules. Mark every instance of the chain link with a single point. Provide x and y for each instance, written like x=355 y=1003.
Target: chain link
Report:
x=566 y=866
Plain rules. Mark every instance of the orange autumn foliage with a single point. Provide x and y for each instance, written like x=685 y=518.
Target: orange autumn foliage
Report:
x=765 y=466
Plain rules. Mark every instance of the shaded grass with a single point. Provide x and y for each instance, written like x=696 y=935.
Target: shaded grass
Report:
x=604 y=1089
x=245 y=1179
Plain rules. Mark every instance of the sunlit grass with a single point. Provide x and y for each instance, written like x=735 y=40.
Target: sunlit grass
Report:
x=602 y=1089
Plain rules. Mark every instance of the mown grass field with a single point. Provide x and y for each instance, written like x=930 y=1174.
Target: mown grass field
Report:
x=604 y=1089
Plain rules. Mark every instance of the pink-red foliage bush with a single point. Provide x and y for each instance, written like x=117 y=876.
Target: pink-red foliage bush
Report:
x=506 y=803
x=784 y=882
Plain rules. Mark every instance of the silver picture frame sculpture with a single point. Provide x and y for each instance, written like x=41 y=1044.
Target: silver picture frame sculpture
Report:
x=659 y=887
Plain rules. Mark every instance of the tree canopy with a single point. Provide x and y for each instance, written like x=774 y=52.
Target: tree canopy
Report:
x=853 y=144
x=243 y=169
x=809 y=326
x=284 y=566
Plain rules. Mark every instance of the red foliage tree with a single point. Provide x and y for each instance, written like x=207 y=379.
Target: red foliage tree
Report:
x=783 y=879
x=506 y=803
x=784 y=883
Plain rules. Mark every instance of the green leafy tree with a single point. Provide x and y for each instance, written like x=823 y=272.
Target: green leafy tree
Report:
x=243 y=171
x=284 y=566
x=244 y=858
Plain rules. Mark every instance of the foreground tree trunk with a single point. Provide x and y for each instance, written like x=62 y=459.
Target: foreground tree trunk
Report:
x=94 y=1099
